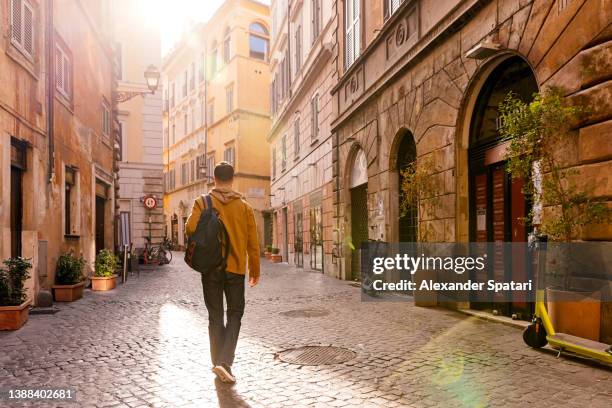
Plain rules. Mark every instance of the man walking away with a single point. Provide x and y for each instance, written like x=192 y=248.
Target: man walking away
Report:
x=239 y=221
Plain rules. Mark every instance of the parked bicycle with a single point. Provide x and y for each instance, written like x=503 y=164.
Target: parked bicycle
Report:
x=156 y=254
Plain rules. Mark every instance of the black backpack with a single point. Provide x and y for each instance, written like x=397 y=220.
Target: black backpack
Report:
x=208 y=247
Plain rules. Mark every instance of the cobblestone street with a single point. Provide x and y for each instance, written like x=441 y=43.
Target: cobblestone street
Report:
x=146 y=344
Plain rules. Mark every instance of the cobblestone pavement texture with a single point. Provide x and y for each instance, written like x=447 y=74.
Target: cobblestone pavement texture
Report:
x=145 y=344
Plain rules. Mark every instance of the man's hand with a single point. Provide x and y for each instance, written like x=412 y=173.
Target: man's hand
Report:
x=253 y=281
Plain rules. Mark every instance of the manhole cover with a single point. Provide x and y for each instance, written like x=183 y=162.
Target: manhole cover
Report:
x=316 y=355
x=306 y=313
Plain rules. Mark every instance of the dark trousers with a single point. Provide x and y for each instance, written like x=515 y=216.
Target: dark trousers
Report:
x=223 y=336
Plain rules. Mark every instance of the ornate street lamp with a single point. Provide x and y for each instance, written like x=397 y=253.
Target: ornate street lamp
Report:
x=151 y=77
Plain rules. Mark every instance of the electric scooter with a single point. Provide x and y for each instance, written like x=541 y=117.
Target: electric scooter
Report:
x=541 y=331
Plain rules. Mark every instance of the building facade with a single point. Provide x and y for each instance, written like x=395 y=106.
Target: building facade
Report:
x=421 y=80
x=303 y=69
x=140 y=167
x=57 y=154
x=216 y=108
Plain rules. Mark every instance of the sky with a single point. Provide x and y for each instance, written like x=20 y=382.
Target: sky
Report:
x=174 y=16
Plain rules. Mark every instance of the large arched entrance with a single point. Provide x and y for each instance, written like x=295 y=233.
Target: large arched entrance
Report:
x=497 y=204
x=358 y=189
x=406 y=156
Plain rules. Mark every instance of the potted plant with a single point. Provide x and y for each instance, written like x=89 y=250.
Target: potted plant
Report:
x=276 y=257
x=537 y=133
x=104 y=275
x=14 y=304
x=69 y=279
x=268 y=252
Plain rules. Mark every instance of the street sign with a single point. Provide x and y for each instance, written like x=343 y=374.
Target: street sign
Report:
x=150 y=202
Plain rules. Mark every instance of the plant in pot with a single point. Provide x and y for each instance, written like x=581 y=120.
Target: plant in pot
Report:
x=69 y=279
x=104 y=275
x=14 y=304
x=276 y=257
x=539 y=134
x=268 y=251
x=420 y=199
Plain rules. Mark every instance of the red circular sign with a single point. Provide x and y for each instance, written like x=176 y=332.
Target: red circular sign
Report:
x=150 y=202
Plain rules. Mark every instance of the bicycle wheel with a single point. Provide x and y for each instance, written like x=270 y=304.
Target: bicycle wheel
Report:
x=168 y=255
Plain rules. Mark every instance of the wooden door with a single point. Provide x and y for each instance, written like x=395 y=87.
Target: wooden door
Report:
x=359 y=226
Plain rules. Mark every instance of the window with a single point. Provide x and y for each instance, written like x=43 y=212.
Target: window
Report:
x=202 y=113
x=391 y=7
x=185 y=84
x=192 y=174
x=184 y=173
x=229 y=98
x=173 y=133
x=172 y=100
x=22 y=27
x=186 y=121
x=171 y=183
x=273 y=163
x=213 y=59
x=193 y=119
x=201 y=167
x=106 y=119
x=210 y=167
x=71 y=199
x=192 y=79
x=63 y=72
x=284 y=153
x=258 y=41
x=314 y=117
x=202 y=67
x=298 y=48
x=211 y=112
x=353 y=33
x=226 y=45
x=229 y=155
x=296 y=137
x=119 y=56
x=315 y=18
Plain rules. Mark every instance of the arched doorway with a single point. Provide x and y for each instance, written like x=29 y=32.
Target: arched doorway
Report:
x=406 y=156
x=358 y=188
x=497 y=203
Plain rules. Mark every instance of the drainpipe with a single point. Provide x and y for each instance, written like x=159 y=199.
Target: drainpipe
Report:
x=50 y=91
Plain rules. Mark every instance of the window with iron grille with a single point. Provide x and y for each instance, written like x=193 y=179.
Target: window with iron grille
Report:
x=229 y=155
x=296 y=137
x=22 y=27
x=352 y=37
x=63 y=72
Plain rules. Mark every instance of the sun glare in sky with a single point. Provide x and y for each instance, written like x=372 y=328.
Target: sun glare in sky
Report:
x=175 y=16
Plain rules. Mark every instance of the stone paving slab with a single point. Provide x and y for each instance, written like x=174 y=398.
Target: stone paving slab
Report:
x=145 y=344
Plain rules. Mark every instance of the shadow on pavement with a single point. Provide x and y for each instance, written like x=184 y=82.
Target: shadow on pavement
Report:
x=227 y=396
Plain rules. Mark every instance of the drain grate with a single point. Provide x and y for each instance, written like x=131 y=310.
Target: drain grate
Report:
x=306 y=313
x=316 y=355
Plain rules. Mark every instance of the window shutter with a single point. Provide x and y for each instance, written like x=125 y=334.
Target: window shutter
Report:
x=67 y=77
x=28 y=28
x=16 y=21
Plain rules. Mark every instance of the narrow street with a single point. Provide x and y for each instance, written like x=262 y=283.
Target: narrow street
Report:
x=145 y=344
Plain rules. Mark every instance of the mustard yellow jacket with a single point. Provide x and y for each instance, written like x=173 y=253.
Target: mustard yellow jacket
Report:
x=239 y=220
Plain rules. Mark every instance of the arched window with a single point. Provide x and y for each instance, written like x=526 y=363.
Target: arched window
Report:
x=258 y=41
x=226 y=45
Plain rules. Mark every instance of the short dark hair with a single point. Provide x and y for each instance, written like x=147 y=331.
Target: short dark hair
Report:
x=224 y=171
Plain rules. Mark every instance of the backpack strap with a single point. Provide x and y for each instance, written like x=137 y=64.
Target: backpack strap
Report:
x=208 y=201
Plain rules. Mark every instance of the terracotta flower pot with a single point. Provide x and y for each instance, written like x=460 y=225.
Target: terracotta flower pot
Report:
x=13 y=317
x=102 y=283
x=68 y=293
x=575 y=313
x=276 y=258
x=268 y=255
